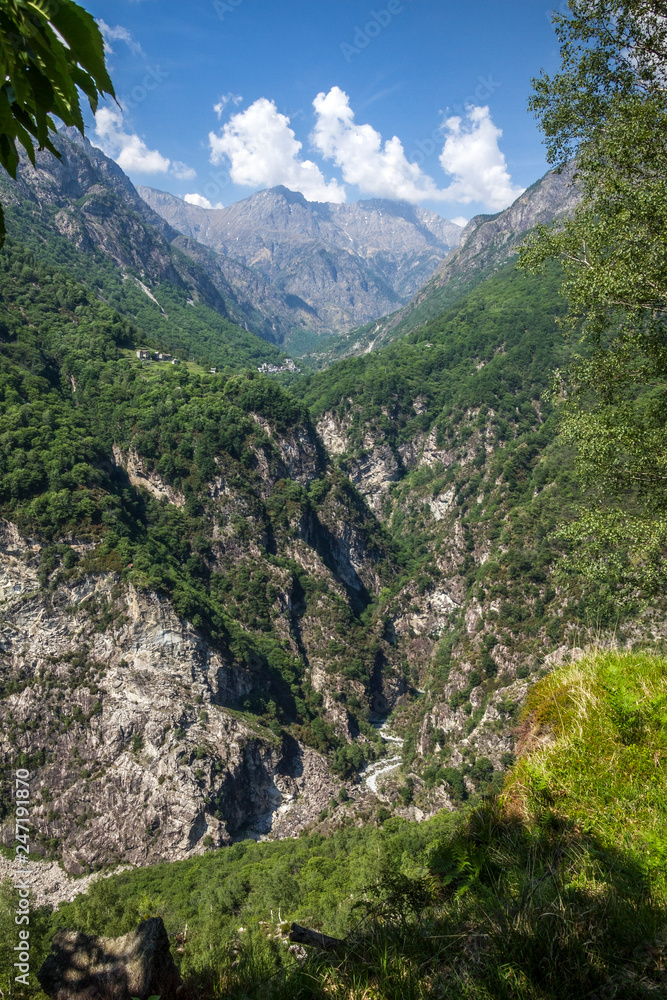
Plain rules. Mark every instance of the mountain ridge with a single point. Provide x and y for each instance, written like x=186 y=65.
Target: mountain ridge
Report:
x=87 y=199
x=347 y=262
x=487 y=243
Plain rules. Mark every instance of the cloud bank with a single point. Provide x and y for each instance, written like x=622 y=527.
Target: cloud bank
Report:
x=130 y=152
x=263 y=151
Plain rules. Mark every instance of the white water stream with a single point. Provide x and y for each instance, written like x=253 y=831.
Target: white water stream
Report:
x=378 y=768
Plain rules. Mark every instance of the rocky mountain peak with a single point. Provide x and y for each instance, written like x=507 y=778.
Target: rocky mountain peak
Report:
x=349 y=263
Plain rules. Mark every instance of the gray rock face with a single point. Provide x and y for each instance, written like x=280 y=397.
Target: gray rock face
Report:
x=129 y=715
x=97 y=207
x=347 y=264
x=138 y=964
x=492 y=241
x=486 y=243
x=136 y=756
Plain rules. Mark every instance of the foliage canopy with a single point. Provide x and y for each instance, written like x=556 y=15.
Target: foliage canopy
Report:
x=49 y=49
x=608 y=105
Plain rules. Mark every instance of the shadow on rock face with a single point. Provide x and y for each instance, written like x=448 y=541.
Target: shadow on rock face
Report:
x=139 y=964
x=291 y=762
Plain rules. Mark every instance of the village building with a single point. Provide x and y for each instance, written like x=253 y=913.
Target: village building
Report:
x=288 y=366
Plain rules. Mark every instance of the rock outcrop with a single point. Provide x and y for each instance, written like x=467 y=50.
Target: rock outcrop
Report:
x=138 y=964
x=120 y=708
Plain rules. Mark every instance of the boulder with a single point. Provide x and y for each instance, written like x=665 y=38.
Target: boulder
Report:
x=138 y=964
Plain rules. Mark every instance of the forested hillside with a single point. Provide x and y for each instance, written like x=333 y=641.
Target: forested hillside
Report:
x=488 y=244
x=82 y=212
x=378 y=647
x=266 y=555
x=385 y=541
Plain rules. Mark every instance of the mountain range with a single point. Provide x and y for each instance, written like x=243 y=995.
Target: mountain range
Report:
x=216 y=586
x=487 y=243
x=347 y=264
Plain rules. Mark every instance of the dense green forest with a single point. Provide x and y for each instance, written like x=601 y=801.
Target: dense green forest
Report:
x=498 y=344
x=195 y=330
x=71 y=389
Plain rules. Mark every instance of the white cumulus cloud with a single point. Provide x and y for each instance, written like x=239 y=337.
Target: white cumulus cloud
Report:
x=200 y=201
x=381 y=170
x=263 y=151
x=183 y=171
x=471 y=156
x=118 y=34
x=226 y=99
x=130 y=151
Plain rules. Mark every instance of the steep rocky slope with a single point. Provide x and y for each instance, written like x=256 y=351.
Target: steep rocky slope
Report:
x=207 y=600
x=185 y=656
x=213 y=590
x=348 y=263
x=486 y=244
x=135 y=757
x=87 y=199
x=129 y=715
x=449 y=437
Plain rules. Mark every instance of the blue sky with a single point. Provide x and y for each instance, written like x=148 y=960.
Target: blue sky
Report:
x=341 y=99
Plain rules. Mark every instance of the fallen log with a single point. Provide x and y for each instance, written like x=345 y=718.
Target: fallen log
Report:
x=304 y=935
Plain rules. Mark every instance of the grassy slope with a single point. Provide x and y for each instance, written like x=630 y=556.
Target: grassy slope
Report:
x=597 y=730
x=556 y=889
